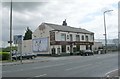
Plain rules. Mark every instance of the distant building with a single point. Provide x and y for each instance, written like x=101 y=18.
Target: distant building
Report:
x=58 y=39
x=97 y=45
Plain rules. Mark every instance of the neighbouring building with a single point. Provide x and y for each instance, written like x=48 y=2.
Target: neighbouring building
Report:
x=58 y=39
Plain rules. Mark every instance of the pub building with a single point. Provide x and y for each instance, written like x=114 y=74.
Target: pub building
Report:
x=63 y=39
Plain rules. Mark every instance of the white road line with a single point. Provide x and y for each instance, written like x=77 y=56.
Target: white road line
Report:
x=41 y=75
x=13 y=71
x=48 y=66
x=110 y=72
x=77 y=67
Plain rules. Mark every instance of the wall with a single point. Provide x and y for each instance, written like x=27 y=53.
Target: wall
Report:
x=27 y=46
x=41 y=33
x=58 y=36
x=97 y=45
x=82 y=47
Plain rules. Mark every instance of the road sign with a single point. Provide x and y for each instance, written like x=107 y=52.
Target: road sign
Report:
x=17 y=39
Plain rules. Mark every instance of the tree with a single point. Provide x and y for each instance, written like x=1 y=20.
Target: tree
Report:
x=28 y=34
x=7 y=49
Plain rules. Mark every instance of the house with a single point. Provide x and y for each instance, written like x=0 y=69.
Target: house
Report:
x=50 y=39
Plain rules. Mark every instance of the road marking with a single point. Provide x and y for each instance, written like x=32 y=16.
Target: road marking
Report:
x=41 y=75
x=48 y=66
x=13 y=71
x=110 y=72
x=77 y=67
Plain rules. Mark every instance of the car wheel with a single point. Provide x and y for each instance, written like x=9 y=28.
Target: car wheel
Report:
x=32 y=57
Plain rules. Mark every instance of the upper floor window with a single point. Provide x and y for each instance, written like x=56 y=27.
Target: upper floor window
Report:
x=67 y=36
x=92 y=37
x=86 y=38
x=77 y=38
x=63 y=37
x=82 y=37
x=71 y=38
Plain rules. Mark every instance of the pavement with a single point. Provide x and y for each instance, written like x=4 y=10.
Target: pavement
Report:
x=113 y=73
x=35 y=60
x=68 y=66
x=38 y=59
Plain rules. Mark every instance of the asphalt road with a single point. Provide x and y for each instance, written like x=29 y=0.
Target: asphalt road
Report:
x=68 y=66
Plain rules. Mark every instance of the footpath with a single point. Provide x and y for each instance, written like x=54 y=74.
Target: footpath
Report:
x=25 y=61
x=114 y=73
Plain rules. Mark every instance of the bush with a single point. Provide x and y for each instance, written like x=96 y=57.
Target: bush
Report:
x=5 y=55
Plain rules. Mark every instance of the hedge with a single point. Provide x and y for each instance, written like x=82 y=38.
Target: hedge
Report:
x=4 y=55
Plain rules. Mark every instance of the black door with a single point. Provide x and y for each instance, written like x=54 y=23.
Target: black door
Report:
x=64 y=48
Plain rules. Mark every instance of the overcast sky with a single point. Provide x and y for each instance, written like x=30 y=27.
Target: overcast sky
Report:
x=87 y=14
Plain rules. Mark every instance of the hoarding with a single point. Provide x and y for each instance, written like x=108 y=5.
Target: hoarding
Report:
x=40 y=45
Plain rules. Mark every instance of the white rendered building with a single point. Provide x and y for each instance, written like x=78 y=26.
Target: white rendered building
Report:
x=58 y=39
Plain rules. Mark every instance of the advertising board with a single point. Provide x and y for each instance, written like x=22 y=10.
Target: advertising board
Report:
x=40 y=45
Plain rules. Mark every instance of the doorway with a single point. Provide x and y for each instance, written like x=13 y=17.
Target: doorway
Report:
x=63 y=48
x=78 y=47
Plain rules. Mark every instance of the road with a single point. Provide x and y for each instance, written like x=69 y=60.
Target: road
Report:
x=68 y=66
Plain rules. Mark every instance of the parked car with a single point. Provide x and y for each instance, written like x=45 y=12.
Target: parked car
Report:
x=86 y=52
x=24 y=56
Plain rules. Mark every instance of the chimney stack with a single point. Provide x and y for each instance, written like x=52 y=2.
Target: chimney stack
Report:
x=64 y=23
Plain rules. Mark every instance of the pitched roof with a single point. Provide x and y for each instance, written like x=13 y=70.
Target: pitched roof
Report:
x=67 y=28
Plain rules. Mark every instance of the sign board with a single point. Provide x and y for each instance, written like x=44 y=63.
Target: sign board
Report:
x=40 y=45
x=17 y=39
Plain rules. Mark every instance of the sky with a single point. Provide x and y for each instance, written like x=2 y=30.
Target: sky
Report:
x=87 y=14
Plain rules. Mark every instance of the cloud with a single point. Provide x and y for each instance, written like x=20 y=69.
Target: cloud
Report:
x=24 y=6
x=85 y=14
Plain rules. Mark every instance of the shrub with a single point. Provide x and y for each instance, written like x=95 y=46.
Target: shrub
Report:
x=5 y=55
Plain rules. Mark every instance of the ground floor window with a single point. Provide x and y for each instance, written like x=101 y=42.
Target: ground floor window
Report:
x=68 y=48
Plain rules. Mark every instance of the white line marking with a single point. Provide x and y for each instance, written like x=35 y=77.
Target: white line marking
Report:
x=110 y=72
x=41 y=75
x=48 y=66
x=77 y=67
x=13 y=71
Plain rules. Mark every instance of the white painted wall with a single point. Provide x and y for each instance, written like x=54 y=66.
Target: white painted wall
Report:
x=58 y=36
x=27 y=46
x=82 y=47
x=41 y=34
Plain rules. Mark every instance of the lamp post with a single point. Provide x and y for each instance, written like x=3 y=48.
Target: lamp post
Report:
x=118 y=41
x=105 y=29
x=10 y=31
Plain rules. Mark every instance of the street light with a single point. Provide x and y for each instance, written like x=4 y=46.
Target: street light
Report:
x=10 y=31
x=105 y=30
